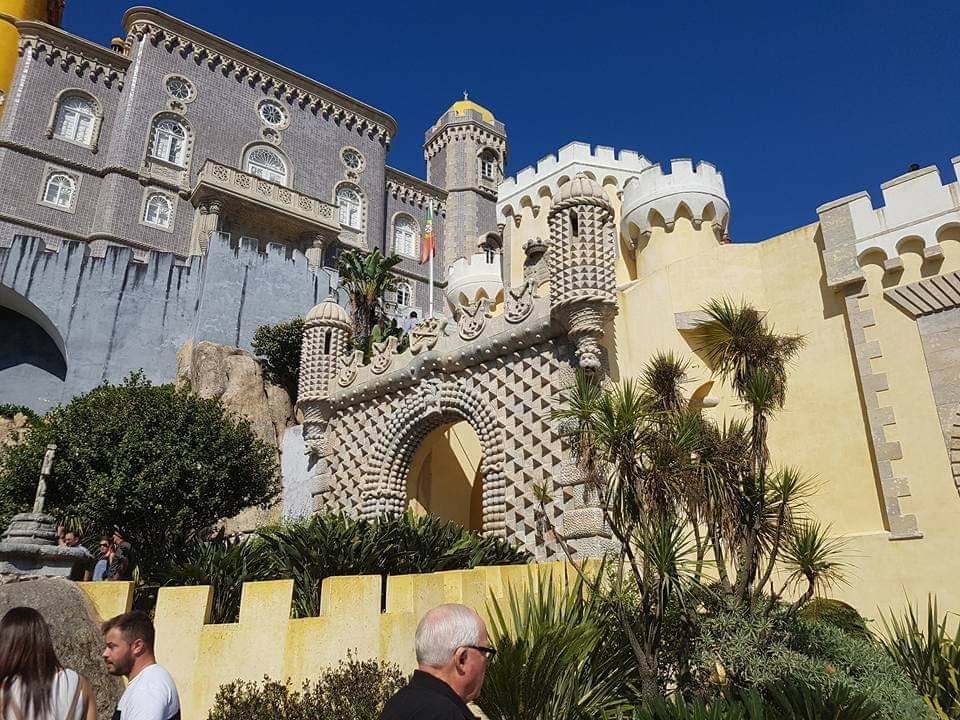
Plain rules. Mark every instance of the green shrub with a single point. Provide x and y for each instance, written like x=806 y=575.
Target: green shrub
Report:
x=278 y=349
x=8 y=411
x=929 y=656
x=326 y=545
x=163 y=464
x=836 y=613
x=752 y=650
x=354 y=690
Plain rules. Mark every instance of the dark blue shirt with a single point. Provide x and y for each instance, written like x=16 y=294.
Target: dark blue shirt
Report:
x=426 y=698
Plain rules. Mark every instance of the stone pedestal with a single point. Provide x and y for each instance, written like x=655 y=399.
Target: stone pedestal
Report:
x=29 y=547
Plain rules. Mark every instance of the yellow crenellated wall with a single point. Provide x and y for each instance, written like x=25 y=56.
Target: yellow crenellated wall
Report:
x=202 y=657
x=11 y=10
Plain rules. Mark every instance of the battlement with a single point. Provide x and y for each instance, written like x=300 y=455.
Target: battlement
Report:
x=600 y=163
x=473 y=277
x=655 y=196
x=353 y=617
x=915 y=205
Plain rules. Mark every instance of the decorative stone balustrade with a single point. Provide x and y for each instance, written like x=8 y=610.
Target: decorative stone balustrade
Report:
x=221 y=182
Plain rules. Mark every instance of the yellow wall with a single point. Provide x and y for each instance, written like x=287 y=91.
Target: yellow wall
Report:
x=202 y=657
x=10 y=39
x=443 y=479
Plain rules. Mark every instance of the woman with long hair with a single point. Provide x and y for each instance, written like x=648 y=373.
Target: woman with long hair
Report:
x=33 y=683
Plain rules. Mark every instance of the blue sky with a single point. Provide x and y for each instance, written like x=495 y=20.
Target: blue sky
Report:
x=797 y=104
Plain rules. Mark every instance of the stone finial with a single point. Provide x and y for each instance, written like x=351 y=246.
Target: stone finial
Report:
x=45 y=470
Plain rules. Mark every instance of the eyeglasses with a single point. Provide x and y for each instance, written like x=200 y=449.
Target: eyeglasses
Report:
x=488 y=652
x=104 y=545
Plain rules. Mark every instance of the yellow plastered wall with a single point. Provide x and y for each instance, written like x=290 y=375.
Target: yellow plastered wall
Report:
x=443 y=476
x=10 y=39
x=202 y=657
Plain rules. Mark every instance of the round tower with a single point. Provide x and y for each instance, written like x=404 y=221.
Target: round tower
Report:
x=581 y=258
x=326 y=337
x=466 y=152
x=47 y=11
x=676 y=215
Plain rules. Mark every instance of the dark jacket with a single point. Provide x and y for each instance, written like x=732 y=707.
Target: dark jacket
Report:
x=426 y=698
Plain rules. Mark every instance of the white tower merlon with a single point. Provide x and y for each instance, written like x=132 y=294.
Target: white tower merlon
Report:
x=474 y=277
x=531 y=185
x=915 y=205
x=654 y=196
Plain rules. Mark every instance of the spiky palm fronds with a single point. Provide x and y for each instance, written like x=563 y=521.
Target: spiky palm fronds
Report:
x=811 y=555
x=929 y=655
x=367 y=277
x=662 y=379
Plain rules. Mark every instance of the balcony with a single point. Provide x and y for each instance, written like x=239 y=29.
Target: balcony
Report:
x=248 y=205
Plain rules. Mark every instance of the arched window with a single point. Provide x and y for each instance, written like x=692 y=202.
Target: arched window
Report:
x=488 y=165
x=76 y=119
x=266 y=163
x=59 y=190
x=158 y=210
x=404 y=294
x=169 y=142
x=351 y=207
x=406 y=236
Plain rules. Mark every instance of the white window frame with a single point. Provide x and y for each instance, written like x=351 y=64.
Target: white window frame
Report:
x=401 y=306
x=354 y=211
x=163 y=142
x=84 y=120
x=73 y=180
x=488 y=167
x=284 y=115
x=261 y=170
x=411 y=229
x=152 y=195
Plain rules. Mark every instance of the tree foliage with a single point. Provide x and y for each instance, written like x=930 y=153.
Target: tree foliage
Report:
x=367 y=277
x=278 y=347
x=354 y=690
x=163 y=464
x=327 y=545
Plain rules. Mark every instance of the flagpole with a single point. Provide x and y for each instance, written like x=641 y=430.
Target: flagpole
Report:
x=433 y=248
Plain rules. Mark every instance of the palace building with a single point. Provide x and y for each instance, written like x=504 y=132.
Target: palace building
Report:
x=177 y=187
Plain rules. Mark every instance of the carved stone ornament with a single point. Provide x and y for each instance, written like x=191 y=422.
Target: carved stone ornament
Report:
x=349 y=367
x=519 y=302
x=473 y=318
x=424 y=335
x=383 y=355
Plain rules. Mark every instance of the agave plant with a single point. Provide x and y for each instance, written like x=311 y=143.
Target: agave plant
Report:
x=930 y=656
x=553 y=661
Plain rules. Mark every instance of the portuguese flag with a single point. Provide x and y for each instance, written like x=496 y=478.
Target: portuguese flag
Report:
x=429 y=245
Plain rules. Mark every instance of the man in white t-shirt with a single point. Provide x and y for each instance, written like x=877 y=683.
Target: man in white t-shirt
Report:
x=151 y=693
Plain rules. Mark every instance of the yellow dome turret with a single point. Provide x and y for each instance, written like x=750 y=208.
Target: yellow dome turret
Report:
x=461 y=106
x=48 y=11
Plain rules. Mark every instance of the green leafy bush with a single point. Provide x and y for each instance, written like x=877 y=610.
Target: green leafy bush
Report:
x=753 y=650
x=354 y=690
x=278 y=349
x=326 y=545
x=163 y=464
x=836 y=613
x=8 y=411
x=929 y=656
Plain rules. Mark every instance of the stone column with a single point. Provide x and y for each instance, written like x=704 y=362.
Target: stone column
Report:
x=206 y=221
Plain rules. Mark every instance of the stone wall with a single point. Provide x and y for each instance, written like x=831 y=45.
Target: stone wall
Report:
x=86 y=319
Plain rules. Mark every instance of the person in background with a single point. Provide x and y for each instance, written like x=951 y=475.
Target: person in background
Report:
x=123 y=561
x=79 y=572
x=61 y=535
x=103 y=563
x=33 y=683
x=410 y=322
x=452 y=654
x=151 y=693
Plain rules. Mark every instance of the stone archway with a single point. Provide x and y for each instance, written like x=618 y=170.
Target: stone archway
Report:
x=434 y=404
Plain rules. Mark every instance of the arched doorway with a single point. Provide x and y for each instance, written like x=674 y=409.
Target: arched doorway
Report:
x=434 y=406
x=444 y=479
x=32 y=355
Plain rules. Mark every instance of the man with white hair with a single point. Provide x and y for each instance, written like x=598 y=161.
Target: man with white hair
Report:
x=453 y=649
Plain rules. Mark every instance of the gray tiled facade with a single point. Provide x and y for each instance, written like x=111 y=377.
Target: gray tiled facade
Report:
x=85 y=249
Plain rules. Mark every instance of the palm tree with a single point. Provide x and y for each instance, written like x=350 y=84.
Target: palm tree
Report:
x=367 y=277
x=744 y=350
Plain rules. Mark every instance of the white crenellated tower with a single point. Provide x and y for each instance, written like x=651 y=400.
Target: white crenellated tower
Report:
x=582 y=259
x=671 y=216
x=472 y=278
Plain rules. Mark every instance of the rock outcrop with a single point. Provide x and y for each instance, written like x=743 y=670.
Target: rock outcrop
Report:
x=14 y=430
x=74 y=626
x=234 y=377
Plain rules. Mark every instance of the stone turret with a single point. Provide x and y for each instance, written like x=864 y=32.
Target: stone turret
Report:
x=326 y=337
x=582 y=258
